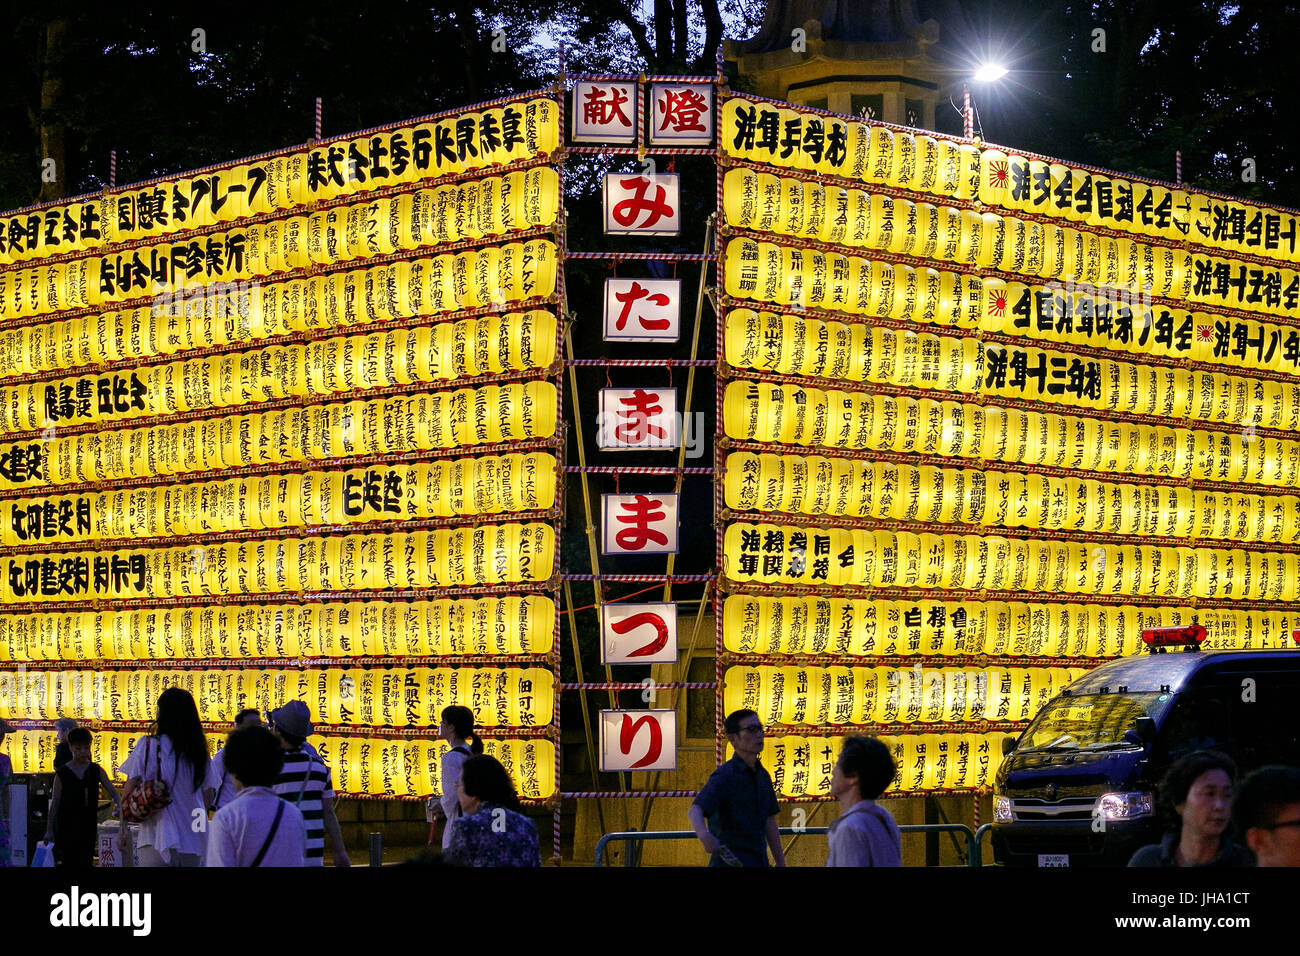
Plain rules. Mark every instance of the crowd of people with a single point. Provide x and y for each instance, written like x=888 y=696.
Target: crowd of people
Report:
x=266 y=798
x=735 y=815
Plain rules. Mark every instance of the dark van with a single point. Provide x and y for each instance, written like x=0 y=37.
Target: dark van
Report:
x=1078 y=788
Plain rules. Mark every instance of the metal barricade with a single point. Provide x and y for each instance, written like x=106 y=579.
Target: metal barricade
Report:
x=634 y=838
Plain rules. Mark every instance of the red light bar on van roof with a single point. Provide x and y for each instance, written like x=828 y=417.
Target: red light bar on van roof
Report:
x=1188 y=635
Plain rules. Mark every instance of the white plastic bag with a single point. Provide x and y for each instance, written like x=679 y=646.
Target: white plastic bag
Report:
x=44 y=855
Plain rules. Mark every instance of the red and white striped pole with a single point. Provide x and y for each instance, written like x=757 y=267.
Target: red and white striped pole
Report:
x=1178 y=167
x=112 y=168
x=317 y=119
x=967 y=117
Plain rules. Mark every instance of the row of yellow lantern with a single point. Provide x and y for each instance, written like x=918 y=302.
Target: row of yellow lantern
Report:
x=490 y=344
x=249 y=312
x=884 y=223
x=464 y=487
x=359 y=765
x=802 y=766
x=818 y=279
x=805 y=345
x=388 y=697
x=492 y=275
x=840 y=487
x=831 y=418
x=447 y=557
x=820 y=696
x=840 y=146
x=789 y=138
x=755 y=624
x=335 y=629
x=380 y=160
x=839 y=557
x=972 y=366
x=397 y=424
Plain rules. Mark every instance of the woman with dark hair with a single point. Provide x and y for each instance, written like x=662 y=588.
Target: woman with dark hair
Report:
x=176 y=753
x=457 y=728
x=1196 y=797
x=492 y=831
x=256 y=828
x=865 y=833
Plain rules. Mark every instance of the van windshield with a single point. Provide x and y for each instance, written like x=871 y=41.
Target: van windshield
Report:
x=1093 y=721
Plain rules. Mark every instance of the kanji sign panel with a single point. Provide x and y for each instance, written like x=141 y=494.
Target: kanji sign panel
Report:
x=638 y=740
x=681 y=114
x=638 y=634
x=637 y=418
x=638 y=524
x=642 y=205
x=643 y=310
x=604 y=112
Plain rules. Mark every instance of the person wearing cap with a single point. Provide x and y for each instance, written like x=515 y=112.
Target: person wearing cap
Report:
x=305 y=783
x=6 y=775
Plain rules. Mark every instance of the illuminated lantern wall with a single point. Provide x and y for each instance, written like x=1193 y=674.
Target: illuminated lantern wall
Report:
x=989 y=416
x=289 y=430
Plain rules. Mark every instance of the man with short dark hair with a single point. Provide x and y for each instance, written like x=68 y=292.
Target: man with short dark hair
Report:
x=218 y=790
x=736 y=812
x=305 y=782
x=1268 y=815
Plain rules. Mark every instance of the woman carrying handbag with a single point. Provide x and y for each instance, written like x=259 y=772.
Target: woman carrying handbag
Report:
x=164 y=787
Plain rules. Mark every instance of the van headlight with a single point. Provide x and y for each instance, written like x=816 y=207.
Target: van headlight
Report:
x=1125 y=806
x=1001 y=809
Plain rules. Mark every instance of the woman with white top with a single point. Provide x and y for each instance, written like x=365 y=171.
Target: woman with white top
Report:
x=177 y=753
x=457 y=728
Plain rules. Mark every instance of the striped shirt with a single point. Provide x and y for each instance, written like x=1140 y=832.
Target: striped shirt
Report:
x=305 y=782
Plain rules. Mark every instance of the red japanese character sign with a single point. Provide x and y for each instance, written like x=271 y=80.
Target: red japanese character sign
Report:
x=638 y=740
x=644 y=418
x=643 y=310
x=638 y=524
x=638 y=634
x=681 y=114
x=604 y=112
x=642 y=205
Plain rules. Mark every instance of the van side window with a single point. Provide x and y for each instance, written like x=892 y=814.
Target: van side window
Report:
x=1263 y=714
x=1200 y=720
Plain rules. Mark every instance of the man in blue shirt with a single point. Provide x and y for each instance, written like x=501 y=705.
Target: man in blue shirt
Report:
x=738 y=802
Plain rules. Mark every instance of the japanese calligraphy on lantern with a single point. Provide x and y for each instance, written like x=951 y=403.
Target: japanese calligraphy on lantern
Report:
x=681 y=114
x=873 y=315
x=643 y=310
x=639 y=524
x=638 y=418
x=159 y=345
x=642 y=205
x=604 y=112
x=638 y=634
x=638 y=740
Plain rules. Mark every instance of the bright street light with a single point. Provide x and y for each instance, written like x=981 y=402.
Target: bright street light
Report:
x=989 y=72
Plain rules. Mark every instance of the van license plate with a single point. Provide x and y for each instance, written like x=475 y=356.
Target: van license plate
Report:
x=1053 y=859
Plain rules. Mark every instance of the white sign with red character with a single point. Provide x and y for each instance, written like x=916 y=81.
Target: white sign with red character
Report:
x=637 y=418
x=643 y=205
x=604 y=112
x=638 y=634
x=638 y=740
x=638 y=524
x=643 y=310
x=681 y=114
